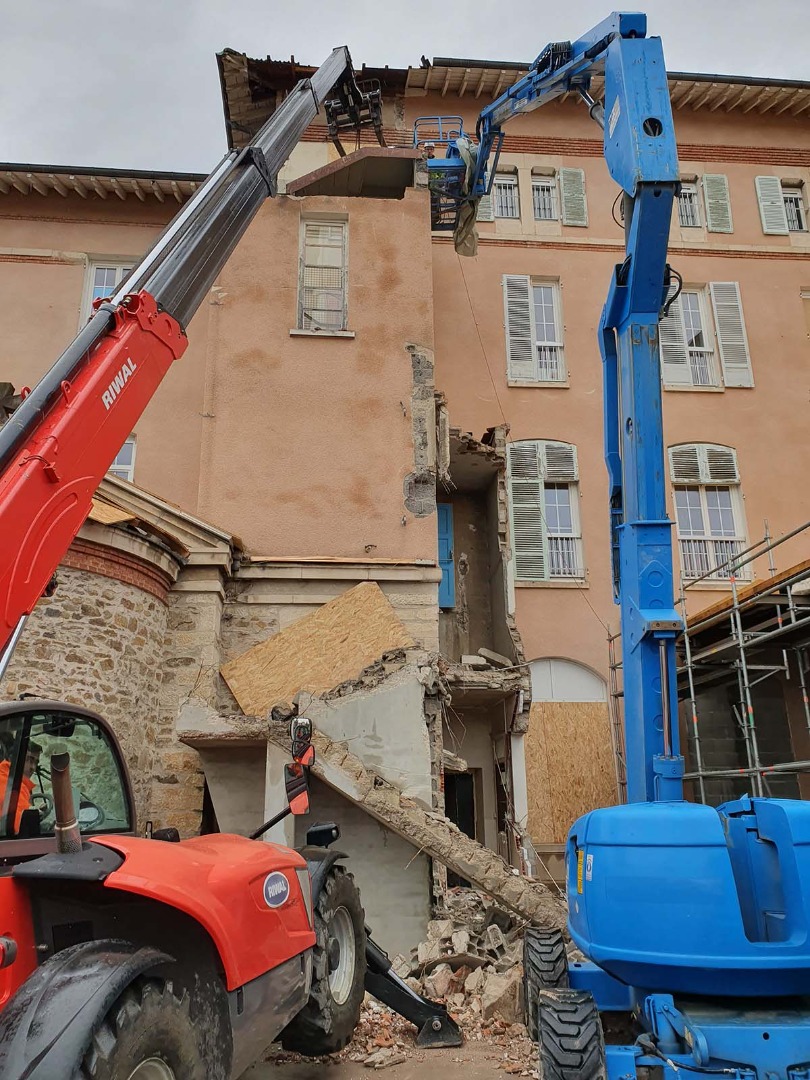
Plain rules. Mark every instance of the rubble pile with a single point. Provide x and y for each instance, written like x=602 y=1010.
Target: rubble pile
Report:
x=471 y=961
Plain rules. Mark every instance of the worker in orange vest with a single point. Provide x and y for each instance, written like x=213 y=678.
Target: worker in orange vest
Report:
x=27 y=785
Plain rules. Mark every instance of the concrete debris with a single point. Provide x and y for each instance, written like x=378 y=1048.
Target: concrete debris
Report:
x=496 y=658
x=432 y=833
x=474 y=661
x=501 y=995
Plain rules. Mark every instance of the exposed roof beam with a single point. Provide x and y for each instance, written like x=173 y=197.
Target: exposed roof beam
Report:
x=119 y=191
x=801 y=106
x=779 y=98
x=690 y=90
x=499 y=84
x=136 y=187
x=446 y=82
x=4 y=187
x=463 y=88
x=480 y=86
x=753 y=101
x=98 y=187
x=790 y=99
x=735 y=101
x=699 y=102
x=722 y=99
x=18 y=184
x=157 y=191
x=36 y=184
x=767 y=98
x=58 y=185
x=78 y=186
x=177 y=193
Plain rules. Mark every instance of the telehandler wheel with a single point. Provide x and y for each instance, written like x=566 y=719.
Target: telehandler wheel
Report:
x=147 y=1035
x=570 y=1040
x=327 y=1021
x=545 y=967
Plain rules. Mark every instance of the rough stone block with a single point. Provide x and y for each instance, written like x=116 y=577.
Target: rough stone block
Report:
x=438 y=983
x=501 y=995
x=461 y=941
x=441 y=930
x=475 y=981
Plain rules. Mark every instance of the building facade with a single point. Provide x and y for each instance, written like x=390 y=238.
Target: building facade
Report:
x=359 y=402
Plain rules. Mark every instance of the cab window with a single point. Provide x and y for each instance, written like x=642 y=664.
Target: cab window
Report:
x=27 y=743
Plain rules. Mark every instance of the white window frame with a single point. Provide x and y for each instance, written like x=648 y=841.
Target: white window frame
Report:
x=564 y=549
x=551 y=367
x=122 y=267
x=701 y=360
x=700 y=553
x=506 y=182
x=692 y=203
x=795 y=208
x=125 y=470
x=727 y=361
x=523 y=356
x=549 y=185
x=704 y=468
x=559 y=552
x=305 y=321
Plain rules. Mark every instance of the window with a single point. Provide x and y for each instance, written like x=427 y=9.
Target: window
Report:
x=322 y=286
x=794 y=208
x=102 y=280
x=27 y=742
x=506 y=196
x=708 y=509
x=781 y=206
x=534 y=341
x=703 y=339
x=544 y=198
x=544 y=511
x=689 y=207
x=124 y=464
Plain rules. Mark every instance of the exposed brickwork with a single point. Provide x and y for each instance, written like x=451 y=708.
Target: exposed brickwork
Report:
x=108 y=562
x=559 y=147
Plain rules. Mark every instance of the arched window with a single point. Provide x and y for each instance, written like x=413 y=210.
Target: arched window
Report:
x=708 y=508
x=544 y=510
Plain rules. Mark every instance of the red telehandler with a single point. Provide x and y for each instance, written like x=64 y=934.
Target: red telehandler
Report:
x=132 y=958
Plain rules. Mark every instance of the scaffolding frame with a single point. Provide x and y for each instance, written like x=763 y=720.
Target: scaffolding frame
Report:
x=769 y=612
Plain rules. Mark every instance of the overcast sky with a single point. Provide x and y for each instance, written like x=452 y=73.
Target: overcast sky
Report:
x=95 y=82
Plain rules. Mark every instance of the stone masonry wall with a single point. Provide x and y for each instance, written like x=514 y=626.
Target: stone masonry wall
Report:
x=191 y=661
x=98 y=642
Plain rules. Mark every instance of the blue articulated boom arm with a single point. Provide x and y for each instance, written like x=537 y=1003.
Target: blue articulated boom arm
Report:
x=641 y=155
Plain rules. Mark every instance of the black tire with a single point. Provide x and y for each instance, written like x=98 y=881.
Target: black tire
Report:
x=327 y=1022
x=545 y=967
x=571 y=1043
x=147 y=1024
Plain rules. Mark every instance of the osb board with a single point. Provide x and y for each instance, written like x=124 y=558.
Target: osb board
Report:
x=318 y=652
x=569 y=765
x=107 y=514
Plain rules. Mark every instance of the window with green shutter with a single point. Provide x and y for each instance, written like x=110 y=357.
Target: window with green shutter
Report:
x=544 y=511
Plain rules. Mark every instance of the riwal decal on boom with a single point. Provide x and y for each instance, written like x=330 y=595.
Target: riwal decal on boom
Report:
x=117 y=385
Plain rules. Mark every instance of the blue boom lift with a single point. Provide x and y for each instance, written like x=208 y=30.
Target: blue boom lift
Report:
x=694 y=919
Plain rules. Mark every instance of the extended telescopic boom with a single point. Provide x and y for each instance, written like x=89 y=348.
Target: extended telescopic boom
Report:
x=57 y=446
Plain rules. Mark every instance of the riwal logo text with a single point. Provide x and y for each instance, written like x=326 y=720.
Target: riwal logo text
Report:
x=276 y=889
x=117 y=385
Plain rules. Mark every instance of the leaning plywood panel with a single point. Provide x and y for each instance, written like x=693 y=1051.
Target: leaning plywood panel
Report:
x=569 y=766
x=318 y=652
